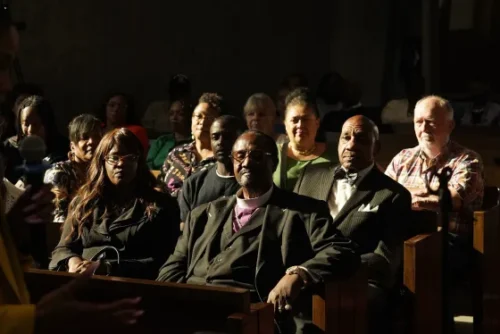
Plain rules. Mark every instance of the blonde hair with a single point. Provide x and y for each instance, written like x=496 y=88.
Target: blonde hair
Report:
x=259 y=100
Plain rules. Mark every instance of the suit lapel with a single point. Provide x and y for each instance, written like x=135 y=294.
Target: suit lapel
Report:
x=270 y=247
x=364 y=189
x=316 y=185
x=218 y=213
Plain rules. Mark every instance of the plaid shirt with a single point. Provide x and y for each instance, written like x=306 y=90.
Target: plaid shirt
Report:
x=410 y=166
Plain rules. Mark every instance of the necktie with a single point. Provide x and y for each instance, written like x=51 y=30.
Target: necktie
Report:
x=341 y=174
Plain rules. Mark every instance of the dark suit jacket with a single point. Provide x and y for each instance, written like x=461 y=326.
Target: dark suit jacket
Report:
x=379 y=235
x=296 y=230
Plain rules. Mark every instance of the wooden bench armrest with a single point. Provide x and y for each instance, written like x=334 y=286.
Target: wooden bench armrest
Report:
x=422 y=277
x=341 y=306
x=264 y=313
x=170 y=307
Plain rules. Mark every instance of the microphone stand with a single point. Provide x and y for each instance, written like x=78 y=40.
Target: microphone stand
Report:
x=446 y=206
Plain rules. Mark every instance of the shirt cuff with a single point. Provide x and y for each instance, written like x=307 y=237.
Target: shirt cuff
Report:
x=307 y=276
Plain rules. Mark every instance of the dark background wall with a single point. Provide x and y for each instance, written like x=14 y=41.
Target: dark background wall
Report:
x=78 y=50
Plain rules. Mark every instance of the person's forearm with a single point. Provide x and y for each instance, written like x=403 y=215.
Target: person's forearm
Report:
x=456 y=200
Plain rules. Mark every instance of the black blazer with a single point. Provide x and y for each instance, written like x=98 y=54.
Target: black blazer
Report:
x=296 y=230
x=380 y=235
x=143 y=241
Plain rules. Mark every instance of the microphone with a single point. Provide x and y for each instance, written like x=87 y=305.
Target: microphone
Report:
x=32 y=150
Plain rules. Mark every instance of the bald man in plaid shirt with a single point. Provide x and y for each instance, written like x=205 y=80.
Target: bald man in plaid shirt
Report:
x=433 y=121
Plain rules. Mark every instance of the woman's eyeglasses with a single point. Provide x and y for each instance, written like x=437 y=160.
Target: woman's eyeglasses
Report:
x=114 y=159
x=257 y=156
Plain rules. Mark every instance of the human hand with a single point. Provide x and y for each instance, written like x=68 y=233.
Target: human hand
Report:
x=79 y=266
x=61 y=308
x=425 y=201
x=285 y=292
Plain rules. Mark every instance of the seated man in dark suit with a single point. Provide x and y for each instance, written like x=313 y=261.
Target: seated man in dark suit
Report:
x=366 y=206
x=214 y=182
x=270 y=241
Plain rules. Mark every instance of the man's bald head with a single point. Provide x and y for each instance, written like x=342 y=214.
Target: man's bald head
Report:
x=437 y=103
x=433 y=123
x=365 y=123
x=358 y=143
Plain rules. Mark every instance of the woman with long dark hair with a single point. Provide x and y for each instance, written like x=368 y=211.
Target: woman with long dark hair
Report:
x=35 y=117
x=66 y=177
x=117 y=215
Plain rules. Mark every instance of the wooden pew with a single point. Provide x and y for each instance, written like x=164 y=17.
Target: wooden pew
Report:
x=169 y=307
x=422 y=277
x=341 y=306
x=486 y=240
x=422 y=267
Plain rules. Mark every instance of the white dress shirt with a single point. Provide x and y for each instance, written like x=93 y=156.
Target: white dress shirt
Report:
x=342 y=191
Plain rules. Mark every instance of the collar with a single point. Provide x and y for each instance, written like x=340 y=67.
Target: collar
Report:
x=362 y=173
x=253 y=203
x=222 y=176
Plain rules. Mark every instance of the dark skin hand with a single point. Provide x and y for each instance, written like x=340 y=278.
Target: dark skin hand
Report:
x=285 y=292
x=61 y=308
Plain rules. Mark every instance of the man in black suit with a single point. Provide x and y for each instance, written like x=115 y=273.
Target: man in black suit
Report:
x=270 y=241
x=366 y=206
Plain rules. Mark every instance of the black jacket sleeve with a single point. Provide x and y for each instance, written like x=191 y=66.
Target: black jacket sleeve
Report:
x=175 y=269
x=69 y=246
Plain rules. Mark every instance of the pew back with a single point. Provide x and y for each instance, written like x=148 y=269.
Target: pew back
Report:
x=422 y=272
x=341 y=306
x=422 y=277
x=486 y=238
x=169 y=307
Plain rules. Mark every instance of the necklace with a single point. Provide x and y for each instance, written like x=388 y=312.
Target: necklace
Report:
x=305 y=153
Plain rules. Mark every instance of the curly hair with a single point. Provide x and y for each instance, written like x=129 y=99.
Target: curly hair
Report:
x=301 y=96
x=96 y=192
x=214 y=100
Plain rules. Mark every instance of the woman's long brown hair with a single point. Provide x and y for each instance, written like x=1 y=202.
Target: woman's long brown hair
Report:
x=95 y=193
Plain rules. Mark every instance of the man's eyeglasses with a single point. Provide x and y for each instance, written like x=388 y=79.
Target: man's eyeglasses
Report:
x=257 y=156
x=114 y=159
